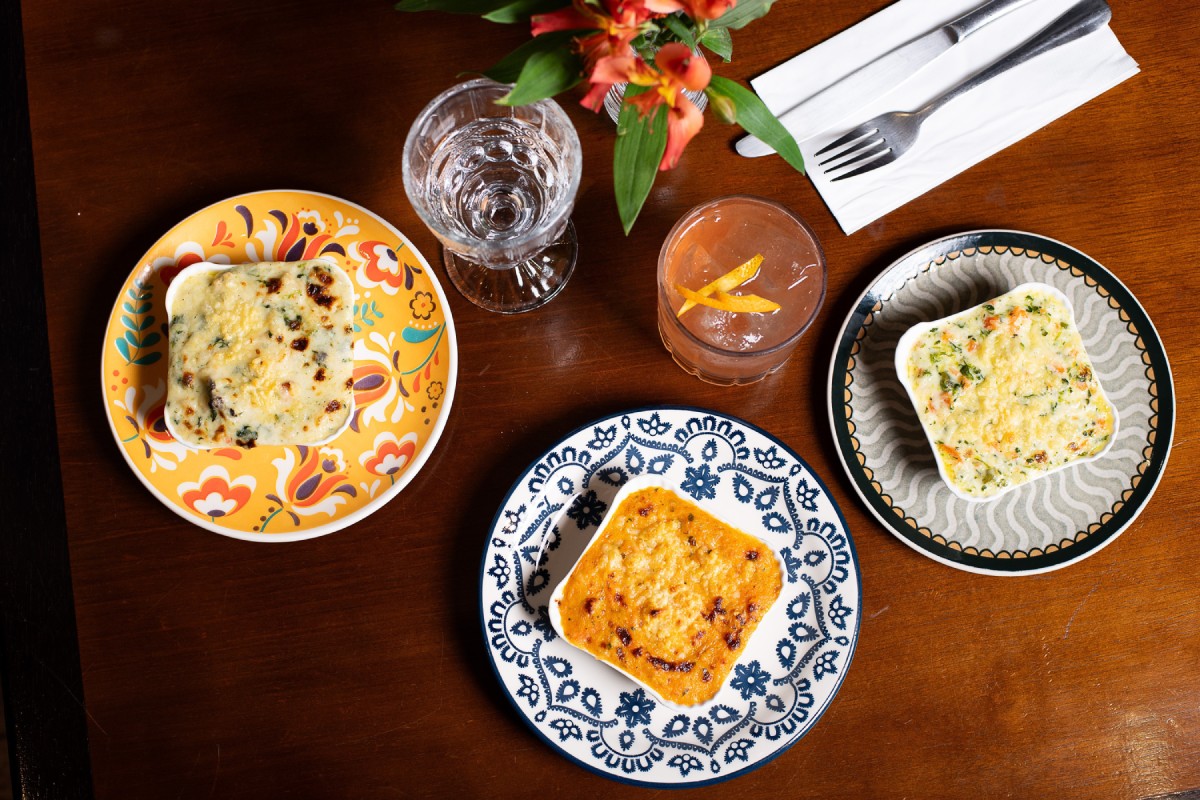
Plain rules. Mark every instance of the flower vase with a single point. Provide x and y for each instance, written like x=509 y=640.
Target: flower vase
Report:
x=616 y=97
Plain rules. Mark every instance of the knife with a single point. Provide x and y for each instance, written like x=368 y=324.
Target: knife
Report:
x=826 y=107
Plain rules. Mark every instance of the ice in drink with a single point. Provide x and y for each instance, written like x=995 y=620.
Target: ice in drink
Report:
x=728 y=347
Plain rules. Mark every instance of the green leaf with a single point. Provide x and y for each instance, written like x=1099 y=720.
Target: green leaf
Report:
x=128 y=322
x=641 y=142
x=132 y=338
x=128 y=308
x=680 y=28
x=145 y=323
x=142 y=308
x=719 y=41
x=149 y=358
x=522 y=10
x=123 y=348
x=756 y=118
x=544 y=75
x=151 y=339
x=741 y=15
x=509 y=68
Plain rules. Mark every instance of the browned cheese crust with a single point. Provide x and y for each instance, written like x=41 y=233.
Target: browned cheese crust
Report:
x=261 y=354
x=670 y=594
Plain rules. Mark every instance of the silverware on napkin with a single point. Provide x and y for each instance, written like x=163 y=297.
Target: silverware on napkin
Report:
x=818 y=112
x=885 y=138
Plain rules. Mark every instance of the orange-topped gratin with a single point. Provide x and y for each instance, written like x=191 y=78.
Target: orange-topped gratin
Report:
x=669 y=594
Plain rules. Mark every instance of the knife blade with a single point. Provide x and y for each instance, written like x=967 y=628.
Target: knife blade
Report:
x=825 y=108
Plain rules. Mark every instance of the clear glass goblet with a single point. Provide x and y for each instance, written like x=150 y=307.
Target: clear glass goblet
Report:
x=496 y=185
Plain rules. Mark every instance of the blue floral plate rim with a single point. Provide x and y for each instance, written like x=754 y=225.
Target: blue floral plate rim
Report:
x=653 y=411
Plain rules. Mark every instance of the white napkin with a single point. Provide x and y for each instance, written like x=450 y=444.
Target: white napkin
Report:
x=971 y=127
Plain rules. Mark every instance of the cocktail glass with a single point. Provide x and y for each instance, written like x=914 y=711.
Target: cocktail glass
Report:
x=496 y=185
x=725 y=347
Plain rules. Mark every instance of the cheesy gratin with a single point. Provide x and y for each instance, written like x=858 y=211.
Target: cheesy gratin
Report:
x=668 y=594
x=1005 y=391
x=260 y=354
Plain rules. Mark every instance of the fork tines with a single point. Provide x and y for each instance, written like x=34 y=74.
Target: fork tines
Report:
x=863 y=145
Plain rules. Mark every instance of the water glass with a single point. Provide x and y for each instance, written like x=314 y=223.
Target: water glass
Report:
x=496 y=185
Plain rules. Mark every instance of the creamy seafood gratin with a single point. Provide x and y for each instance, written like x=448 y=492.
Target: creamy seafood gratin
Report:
x=260 y=354
x=1005 y=391
x=669 y=594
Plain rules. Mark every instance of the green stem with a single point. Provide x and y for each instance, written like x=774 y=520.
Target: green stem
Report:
x=263 y=528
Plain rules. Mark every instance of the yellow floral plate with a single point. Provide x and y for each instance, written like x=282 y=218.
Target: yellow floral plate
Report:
x=405 y=368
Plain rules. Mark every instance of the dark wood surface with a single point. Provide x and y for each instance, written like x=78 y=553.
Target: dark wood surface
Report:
x=39 y=652
x=353 y=665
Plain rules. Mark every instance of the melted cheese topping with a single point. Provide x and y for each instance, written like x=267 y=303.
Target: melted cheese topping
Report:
x=669 y=594
x=1006 y=392
x=261 y=354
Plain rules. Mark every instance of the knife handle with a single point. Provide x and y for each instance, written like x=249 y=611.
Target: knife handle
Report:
x=972 y=21
x=1082 y=19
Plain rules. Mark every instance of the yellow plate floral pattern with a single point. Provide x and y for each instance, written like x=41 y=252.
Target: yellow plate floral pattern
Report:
x=405 y=368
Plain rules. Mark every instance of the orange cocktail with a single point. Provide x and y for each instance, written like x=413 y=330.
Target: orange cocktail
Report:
x=741 y=333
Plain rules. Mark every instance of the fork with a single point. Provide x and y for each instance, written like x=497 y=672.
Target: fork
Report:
x=885 y=138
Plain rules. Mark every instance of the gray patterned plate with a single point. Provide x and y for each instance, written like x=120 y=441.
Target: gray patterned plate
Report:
x=795 y=661
x=1045 y=524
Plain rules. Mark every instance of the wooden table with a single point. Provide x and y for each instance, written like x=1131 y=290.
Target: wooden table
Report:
x=172 y=662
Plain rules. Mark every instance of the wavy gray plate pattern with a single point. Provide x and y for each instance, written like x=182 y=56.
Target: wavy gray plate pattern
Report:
x=1047 y=523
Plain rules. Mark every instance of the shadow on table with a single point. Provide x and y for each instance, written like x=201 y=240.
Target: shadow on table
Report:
x=6 y=791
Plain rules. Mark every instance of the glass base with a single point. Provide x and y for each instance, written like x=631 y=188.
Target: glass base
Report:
x=721 y=374
x=521 y=287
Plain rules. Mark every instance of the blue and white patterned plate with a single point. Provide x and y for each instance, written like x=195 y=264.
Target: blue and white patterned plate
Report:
x=796 y=659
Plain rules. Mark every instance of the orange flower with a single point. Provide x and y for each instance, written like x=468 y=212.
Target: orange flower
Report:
x=381 y=266
x=371 y=382
x=678 y=69
x=391 y=455
x=156 y=424
x=565 y=19
x=616 y=22
x=313 y=485
x=696 y=9
x=302 y=240
x=215 y=494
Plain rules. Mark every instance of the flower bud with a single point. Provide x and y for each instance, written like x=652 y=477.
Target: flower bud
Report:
x=723 y=106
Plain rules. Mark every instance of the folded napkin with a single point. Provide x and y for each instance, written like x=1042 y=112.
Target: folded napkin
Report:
x=971 y=127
